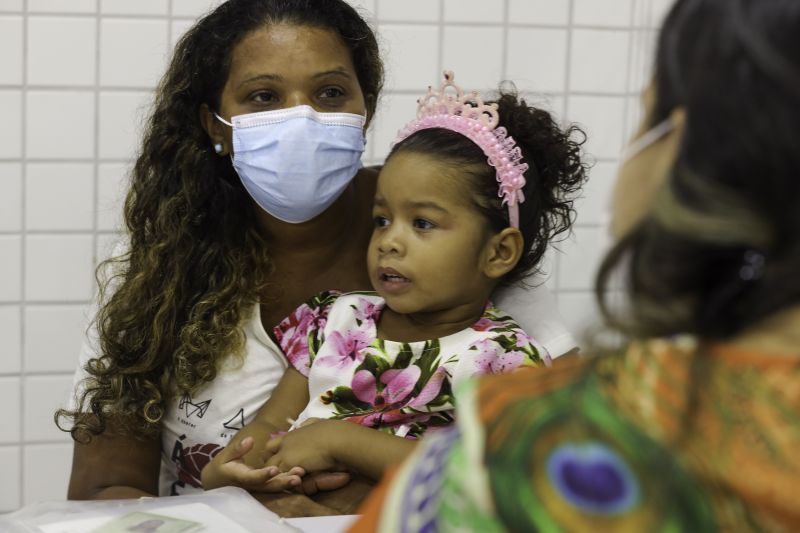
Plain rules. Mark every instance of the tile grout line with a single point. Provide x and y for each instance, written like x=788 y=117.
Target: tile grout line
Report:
x=556 y=283
x=23 y=252
x=506 y=37
x=440 y=51
x=629 y=73
x=96 y=145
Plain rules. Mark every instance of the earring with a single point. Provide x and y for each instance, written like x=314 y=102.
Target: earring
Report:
x=218 y=148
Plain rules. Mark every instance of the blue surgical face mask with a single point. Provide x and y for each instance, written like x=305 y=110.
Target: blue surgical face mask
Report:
x=296 y=162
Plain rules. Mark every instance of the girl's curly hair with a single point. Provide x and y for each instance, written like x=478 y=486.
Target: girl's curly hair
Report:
x=195 y=264
x=553 y=180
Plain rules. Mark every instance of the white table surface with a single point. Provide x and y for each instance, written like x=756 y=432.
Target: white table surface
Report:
x=323 y=524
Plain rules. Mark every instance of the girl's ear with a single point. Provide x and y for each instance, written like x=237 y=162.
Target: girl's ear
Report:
x=503 y=252
x=218 y=137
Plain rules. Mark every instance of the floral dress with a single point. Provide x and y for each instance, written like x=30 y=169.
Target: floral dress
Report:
x=402 y=388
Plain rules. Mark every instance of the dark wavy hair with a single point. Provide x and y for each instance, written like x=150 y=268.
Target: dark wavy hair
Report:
x=173 y=304
x=554 y=177
x=720 y=249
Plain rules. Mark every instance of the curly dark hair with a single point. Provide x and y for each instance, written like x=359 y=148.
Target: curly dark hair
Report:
x=720 y=249
x=195 y=265
x=554 y=177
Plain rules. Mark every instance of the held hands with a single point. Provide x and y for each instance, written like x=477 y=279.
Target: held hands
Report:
x=242 y=464
x=309 y=448
x=229 y=468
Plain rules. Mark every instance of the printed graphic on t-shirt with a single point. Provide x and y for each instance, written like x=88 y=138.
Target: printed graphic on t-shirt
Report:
x=190 y=456
x=191 y=409
x=189 y=463
x=236 y=422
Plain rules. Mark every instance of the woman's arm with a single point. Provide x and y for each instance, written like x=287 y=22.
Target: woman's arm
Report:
x=243 y=459
x=113 y=466
x=329 y=444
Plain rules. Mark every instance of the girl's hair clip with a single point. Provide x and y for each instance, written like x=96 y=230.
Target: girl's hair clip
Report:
x=450 y=108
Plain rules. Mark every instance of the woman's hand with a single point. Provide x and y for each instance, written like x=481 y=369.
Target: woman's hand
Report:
x=229 y=468
x=309 y=447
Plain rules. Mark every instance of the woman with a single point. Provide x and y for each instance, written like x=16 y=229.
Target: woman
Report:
x=221 y=249
x=696 y=427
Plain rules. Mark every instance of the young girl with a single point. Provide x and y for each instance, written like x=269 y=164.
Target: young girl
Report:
x=461 y=206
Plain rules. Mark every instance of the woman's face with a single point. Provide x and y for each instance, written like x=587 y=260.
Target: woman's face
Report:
x=641 y=175
x=281 y=66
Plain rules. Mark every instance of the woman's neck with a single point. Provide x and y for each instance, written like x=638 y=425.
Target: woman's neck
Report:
x=779 y=334
x=341 y=230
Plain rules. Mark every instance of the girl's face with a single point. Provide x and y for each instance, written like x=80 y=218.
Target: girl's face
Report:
x=429 y=241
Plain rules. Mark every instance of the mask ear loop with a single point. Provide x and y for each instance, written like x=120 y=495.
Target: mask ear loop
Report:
x=651 y=136
x=223 y=120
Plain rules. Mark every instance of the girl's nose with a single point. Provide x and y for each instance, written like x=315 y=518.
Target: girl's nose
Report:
x=391 y=241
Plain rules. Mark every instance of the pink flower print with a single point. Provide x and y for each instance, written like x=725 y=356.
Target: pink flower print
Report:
x=364 y=386
x=491 y=358
x=392 y=392
x=365 y=311
x=486 y=324
x=523 y=339
x=347 y=348
x=292 y=335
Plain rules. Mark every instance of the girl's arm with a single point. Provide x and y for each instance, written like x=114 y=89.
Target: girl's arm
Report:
x=331 y=444
x=243 y=459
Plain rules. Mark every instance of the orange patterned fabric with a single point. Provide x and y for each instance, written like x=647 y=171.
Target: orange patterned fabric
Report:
x=669 y=436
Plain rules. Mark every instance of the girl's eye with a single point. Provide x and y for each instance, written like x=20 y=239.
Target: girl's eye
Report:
x=380 y=222
x=421 y=223
x=331 y=92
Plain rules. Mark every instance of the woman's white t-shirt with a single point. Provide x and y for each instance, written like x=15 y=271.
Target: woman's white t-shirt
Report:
x=197 y=427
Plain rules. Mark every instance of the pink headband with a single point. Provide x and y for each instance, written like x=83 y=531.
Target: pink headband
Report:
x=469 y=116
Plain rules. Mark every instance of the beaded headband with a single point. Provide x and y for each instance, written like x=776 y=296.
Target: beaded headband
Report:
x=468 y=115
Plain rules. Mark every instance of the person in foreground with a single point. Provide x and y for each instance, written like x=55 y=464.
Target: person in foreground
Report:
x=696 y=426
x=460 y=207
x=228 y=230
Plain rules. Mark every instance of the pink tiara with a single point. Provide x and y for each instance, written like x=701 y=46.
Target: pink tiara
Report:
x=468 y=115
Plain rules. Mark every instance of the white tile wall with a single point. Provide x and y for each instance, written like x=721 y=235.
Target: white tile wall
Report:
x=412 y=44
x=68 y=62
x=132 y=64
x=9 y=395
x=409 y=10
x=10 y=138
x=12 y=469
x=45 y=472
x=42 y=395
x=60 y=124
x=49 y=185
x=461 y=48
x=58 y=268
x=53 y=335
x=10 y=268
x=11 y=333
x=62 y=6
x=121 y=116
x=11 y=5
x=11 y=50
x=539 y=12
x=537 y=58
x=10 y=197
x=76 y=80
x=479 y=11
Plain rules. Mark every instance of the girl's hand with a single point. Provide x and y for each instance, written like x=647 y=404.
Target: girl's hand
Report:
x=309 y=447
x=228 y=468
